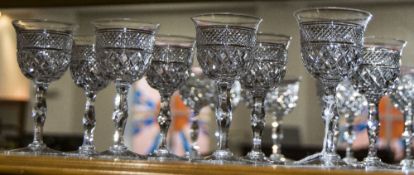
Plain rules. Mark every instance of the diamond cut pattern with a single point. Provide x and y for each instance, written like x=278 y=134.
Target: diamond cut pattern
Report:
x=40 y=39
x=331 y=32
x=169 y=68
x=265 y=68
x=43 y=56
x=331 y=50
x=330 y=62
x=222 y=62
x=124 y=55
x=130 y=38
x=124 y=65
x=222 y=50
x=85 y=70
x=241 y=36
x=378 y=72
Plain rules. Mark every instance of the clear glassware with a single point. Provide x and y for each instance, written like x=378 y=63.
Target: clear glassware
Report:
x=403 y=99
x=350 y=104
x=197 y=92
x=88 y=75
x=123 y=50
x=235 y=94
x=224 y=41
x=169 y=69
x=376 y=76
x=235 y=99
x=263 y=70
x=279 y=103
x=331 y=44
x=43 y=54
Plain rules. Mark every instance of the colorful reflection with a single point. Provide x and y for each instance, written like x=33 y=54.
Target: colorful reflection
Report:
x=145 y=130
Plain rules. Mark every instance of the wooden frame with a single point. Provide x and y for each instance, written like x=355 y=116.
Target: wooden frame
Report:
x=72 y=3
x=65 y=166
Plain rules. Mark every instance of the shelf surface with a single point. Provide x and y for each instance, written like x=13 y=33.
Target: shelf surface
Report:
x=64 y=166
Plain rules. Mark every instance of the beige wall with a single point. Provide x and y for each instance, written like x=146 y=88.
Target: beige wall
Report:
x=66 y=105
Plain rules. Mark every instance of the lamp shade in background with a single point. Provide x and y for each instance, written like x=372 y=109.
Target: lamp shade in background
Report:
x=13 y=85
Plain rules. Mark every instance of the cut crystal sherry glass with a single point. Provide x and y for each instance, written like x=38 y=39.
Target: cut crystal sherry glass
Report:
x=403 y=99
x=89 y=76
x=350 y=104
x=123 y=49
x=263 y=70
x=224 y=42
x=331 y=45
x=197 y=92
x=279 y=103
x=377 y=76
x=43 y=54
x=169 y=69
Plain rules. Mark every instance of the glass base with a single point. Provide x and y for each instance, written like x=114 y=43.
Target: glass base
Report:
x=279 y=159
x=120 y=152
x=375 y=163
x=193 y=157
x=352 y=161
x=407 y=164
x=324 y=160
x=164 y=155
x=256 y=158
x=83 y=152
x=35 y=150
x=221 y=157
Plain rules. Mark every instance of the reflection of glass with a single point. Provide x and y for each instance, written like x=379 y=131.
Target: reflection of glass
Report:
x=87 y=75
x=224 y=41
x=171 y=61
x=280 y=102
x=403 y=99
x=375 y=77
x=197 y=92
x=263 y=70
x=43 y=54
x=235 y=94
x=350 y=104
x=331 y=42
x=123 y=49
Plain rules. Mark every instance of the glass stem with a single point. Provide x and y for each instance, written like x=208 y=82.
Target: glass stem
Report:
x=373 y=128
x=164 y=120
x=223 y=113
x=257 y=122
x=89 y=120
x=120 y=114
x=277 y=135
x=350 y=138
x=408 y=130
x=330 y=116
x=194 y=131
x=39 y=114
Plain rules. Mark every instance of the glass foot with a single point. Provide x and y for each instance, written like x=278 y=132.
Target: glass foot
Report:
x=221 y=157
x=83 y=152
x=164 y=155
x=279 y=159
x=256 y=158
x=375 y=163
x=407 y=164
x=323 y=160
x=120 y=152
x=193 y=157
x=35 y=150
x=350 y=160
